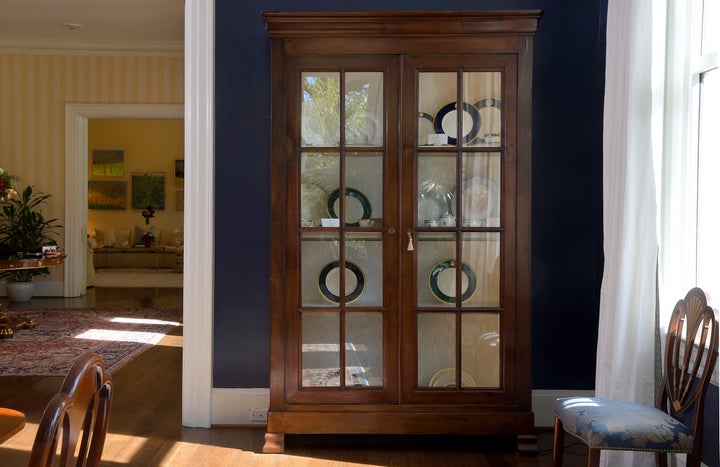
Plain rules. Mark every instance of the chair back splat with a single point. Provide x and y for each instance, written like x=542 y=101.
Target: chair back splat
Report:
x=690 y=356
x=675 y=424
x=79 y=413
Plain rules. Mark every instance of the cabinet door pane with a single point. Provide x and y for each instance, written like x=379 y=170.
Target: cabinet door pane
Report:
x=320 y=109
x=480 y=350
x=438 y=117
x=436 y=349
x=482 y=92
x=436 y=253
x=364 y=349
x=320 y=349
x=319 y=176
x=364 y=108
x=364 y=269
x=436 y=190
x=481 y=255
x=363 y=188
x=481 y=189
x=320 y=256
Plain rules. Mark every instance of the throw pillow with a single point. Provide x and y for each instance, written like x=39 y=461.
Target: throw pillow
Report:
x=122 y=237
x=105 y=237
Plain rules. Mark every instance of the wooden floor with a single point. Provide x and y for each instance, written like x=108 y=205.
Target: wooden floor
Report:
x=145 y=424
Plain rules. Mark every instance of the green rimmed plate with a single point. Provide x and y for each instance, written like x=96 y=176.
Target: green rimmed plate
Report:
x=357 y=206
x=442 y=281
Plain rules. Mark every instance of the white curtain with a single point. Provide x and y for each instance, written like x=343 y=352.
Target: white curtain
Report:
x=625 y=355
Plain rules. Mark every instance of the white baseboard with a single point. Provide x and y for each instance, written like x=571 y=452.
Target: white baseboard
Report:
x=232 y=406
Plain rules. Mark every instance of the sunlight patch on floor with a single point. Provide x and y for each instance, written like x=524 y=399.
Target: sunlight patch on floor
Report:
x=121 y=336
x=121 y=319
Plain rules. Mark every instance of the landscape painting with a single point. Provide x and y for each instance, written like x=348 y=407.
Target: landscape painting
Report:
x=107 y=195
x=108 y=162
x=148 y=189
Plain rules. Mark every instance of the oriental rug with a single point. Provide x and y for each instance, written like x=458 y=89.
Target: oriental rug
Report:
x=61 y=336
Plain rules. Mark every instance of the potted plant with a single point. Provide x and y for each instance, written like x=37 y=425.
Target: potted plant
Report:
x=23 y=233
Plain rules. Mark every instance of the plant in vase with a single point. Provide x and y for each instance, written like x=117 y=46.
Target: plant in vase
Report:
x=148 y=237
x=23 y=233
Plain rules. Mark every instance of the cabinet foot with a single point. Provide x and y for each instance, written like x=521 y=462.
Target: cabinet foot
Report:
x=274 y=443
x=527 y=445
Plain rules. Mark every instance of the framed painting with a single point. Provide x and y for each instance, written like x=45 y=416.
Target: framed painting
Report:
x=107 y=195
x=108 y=162
x=179 y=172
x=148 y=189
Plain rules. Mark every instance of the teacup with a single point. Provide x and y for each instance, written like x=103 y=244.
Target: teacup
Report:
x=447 y=220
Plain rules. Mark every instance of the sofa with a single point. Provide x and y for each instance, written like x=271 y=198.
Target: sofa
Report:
x=121 y=248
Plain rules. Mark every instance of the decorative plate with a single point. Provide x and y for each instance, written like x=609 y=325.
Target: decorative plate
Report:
x=329 y=282
x=442 y=281
x=480 y=200
x=354 y=211
x=446 y=122
x=429 y=207
x=445 y=378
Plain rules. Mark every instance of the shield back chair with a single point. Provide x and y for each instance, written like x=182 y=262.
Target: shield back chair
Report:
x=79 y=413
x=675 y=424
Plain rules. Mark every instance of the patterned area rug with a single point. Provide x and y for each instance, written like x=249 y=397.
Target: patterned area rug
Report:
x=117 y=335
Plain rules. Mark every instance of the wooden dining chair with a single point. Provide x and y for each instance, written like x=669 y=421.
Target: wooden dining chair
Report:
x=80 y=412
x=675 y=424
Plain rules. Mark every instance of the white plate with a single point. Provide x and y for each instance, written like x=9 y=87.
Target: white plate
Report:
x=480 y=201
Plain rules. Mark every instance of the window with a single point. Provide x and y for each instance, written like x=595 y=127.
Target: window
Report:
x=690 y=180
x=707 y=77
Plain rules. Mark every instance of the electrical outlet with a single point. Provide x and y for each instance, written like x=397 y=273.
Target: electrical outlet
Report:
x=258 y=415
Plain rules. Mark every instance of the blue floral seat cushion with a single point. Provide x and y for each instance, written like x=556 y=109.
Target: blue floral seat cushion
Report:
x=622 y=425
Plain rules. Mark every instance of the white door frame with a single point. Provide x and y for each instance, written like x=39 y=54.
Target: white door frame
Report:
x=199 y=220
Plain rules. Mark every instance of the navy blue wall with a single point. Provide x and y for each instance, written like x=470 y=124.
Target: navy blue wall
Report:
x=567 y=191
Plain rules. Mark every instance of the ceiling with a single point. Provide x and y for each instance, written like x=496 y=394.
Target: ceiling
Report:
x=105 y=25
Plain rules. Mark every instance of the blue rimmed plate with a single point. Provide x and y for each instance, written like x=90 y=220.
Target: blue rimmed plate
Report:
x=357 y=206
x=442 y=281
x=446 y=122
x=329 y=282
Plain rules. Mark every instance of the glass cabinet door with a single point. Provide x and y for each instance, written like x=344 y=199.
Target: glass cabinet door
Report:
x=342 y=162
x=459 y=228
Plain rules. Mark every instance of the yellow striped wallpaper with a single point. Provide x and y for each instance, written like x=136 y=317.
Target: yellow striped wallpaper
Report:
x=34 y=88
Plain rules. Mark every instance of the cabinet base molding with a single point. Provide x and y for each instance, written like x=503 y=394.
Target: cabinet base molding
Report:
x=388 y=423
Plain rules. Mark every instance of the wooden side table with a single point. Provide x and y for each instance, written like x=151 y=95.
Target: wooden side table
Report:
x=7 y=325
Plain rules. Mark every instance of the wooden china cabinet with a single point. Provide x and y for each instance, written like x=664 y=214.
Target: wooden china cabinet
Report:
x=401 y=169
